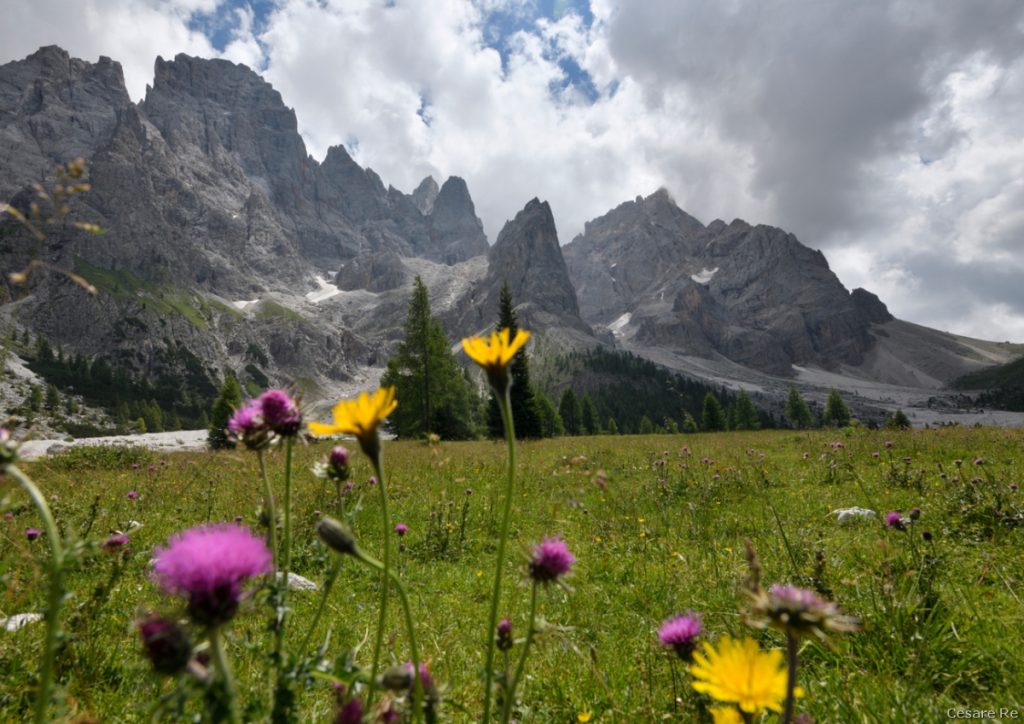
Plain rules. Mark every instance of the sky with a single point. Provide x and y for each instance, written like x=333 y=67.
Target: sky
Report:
x=886 y=133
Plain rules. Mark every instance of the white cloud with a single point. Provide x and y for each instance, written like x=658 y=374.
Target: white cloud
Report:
x=884 y=132
x=132 y=33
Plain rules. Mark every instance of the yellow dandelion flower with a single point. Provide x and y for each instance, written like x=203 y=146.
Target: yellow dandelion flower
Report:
x=360 y=417
x=583 y=716
x=495 y=354
x=725 y=715
x=738 y=672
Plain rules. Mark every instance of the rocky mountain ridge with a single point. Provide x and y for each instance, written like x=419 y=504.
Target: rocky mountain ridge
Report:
x=225 y=239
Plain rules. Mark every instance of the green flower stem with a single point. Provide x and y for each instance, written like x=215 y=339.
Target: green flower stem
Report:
x=328 y=584
x=268 y=495
x=271 y=511
x=286 y=546
x=220 y=660
x=510 y=693
x=385 y=567
x=55 y=596
x=791 y=657
x=413 y=651
x=505 y=403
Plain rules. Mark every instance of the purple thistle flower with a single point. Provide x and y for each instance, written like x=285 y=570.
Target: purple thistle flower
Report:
x=351 y=712
x=875 y=454
x=8 y=516
x=280 y=413
x=401 y=529
x=504 y=635
x=132 y=495
x=32 y=533
x=681 y=634
x=551 y=559
x=337 y=463
x=208 y=565
x=246 y=420
x=979 y=461
x=426 y=680
x=888 y=444
x=115 y=542
x=894 y=520
x=166 y=644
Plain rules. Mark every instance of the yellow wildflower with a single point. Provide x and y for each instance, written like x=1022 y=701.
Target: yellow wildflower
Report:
x=495 y=354
x=360 y=417
x=725 y=715
x=739 y=672
x=583 y=716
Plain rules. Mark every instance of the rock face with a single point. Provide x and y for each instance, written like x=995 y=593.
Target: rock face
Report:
x=207 y=194
x=528 y=258
x=54 y=108
x=753 y=294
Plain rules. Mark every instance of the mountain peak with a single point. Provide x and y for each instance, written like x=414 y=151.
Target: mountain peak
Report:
x=456 y=234
x=425 y=194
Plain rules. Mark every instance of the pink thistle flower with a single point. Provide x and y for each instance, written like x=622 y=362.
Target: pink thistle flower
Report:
x=875 y=454
x=551 y=559
x=132 y=495
x=681 y=634
x=167 y=645
x=280 y=413
x=888 y=444
x=504 y=635
x=401 y=529
x=894 y=520
x=115 y=542
x=32 y=533
x=351 y=712
x=208 y=565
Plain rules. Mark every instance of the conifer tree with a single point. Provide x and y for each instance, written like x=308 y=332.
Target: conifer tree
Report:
x=588 y=417
x=612 y=427
x=525 y=410
x=836 y=413
x=229 y=399
x=797 y=411
x=746 y=413
x=52 y=398
x=898 y=421
x=571 y=412
x=550 y=420
x=689 y=424
x=431 y=390
x=713 y=416
x=646 y=426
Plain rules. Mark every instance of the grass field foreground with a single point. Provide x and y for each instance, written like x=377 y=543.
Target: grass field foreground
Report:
x=657 y=525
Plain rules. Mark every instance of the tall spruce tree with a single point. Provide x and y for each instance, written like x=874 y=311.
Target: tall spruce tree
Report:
x=836 y=413
x=227 y=402
x=550 y=420
x=571 y=412
x=433 y=395
x=713 y=416
x=589 y=421
x=526 y=415
x=797 y=411
x=746 y=417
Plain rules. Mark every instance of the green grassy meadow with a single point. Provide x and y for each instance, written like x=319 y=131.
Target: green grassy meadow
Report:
x=657 y=524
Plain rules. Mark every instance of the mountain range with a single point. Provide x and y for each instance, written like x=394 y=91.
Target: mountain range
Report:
x=226 y=246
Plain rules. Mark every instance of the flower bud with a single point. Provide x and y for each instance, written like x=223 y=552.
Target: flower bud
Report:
x=166 y=644
x=397 y=678
x=337 y=536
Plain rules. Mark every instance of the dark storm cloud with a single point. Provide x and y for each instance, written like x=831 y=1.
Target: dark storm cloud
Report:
x=818 y=90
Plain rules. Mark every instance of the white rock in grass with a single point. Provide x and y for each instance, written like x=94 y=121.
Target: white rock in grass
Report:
x=850 y=515
x=18 y=620
x=299 y=583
